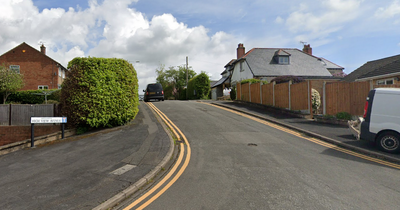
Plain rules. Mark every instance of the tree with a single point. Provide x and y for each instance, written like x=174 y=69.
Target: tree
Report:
x=173 y=80
x=10 y=81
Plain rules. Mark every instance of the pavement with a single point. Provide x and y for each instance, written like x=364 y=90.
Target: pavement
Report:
x=98 y=170
x=90 y=171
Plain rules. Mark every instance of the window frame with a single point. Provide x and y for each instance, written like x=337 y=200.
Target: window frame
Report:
x=43 y=87
x=283 y=60
x=385 y=81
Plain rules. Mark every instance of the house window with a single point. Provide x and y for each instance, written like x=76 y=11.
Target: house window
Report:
x=15 y=68
x=43 y=87
x=59 y=72
x=385 y=82
x=63 y=74
x=241 y=66
x=283 y=60
x=59 y=86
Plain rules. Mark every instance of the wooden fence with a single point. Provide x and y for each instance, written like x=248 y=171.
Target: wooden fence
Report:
x=20 y=114
x=336 y=97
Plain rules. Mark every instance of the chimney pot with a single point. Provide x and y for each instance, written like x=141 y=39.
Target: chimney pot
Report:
x=240 y=51
x=307 y=49
x=43 y=49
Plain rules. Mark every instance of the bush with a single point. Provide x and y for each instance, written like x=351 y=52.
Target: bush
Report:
x=253 y=81
x=30 y=97
x=233 y=93
x=343 y=116
x=199 y=86
x=284 y=79
x=316 y=100
x=100 y=92
x=51 y=102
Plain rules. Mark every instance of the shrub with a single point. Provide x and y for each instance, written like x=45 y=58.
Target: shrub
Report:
x=316 y=99
x=283 y=79
x=199 y=86
x=343 y=116
x=253 y=81
x=31 y=97
x=100 y=92
x=233 y=93
x=51 y=102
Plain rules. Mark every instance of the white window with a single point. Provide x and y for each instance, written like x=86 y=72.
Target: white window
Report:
x=59 y=71
x=43 y=87
x=15 y=68
x=63 y=74
x=241 y=66
x=59 y=86
x=385 y=82
x=283 y=60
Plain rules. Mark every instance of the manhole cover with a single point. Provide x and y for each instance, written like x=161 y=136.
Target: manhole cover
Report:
x=252 y=144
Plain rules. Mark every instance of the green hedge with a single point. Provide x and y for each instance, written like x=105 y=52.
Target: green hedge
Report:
x=29 y=96
x=100 y=92
x=253 y=81
x=199 y=87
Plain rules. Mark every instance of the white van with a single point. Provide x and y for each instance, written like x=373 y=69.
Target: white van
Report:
x=381 y=120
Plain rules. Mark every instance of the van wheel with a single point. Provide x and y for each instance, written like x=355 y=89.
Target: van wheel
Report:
x=389 y=141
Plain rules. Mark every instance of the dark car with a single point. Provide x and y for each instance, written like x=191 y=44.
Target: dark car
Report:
x=154 y=91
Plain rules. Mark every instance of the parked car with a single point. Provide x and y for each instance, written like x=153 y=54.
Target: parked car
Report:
x=154 y=91
x=381 y=120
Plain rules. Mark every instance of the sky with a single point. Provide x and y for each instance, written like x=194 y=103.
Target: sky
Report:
x=151 y=33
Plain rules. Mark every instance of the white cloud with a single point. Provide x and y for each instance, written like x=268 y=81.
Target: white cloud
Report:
x=113 y=29
x=390 y=11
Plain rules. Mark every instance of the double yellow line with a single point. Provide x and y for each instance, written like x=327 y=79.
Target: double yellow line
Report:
x=317 y=141
x=179 y=136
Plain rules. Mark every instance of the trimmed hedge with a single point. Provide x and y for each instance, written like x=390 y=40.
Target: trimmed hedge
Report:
x=28 y=96
x=100 y=92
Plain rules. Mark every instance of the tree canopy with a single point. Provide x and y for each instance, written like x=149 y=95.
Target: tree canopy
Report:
x=173 y=80
x=10 y=81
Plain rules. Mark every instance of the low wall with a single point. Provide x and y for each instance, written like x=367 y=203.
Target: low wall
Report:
x=12 y=134
x=51 y=133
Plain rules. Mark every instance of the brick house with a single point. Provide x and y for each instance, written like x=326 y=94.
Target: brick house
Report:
x=39 y=70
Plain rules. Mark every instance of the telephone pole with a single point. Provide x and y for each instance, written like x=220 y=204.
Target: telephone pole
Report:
x=187 y=76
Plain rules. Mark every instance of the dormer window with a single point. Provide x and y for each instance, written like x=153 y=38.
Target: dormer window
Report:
x=282 y=57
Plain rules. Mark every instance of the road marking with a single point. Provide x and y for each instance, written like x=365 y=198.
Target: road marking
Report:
x=175 y=129
x=123 y=169
x=312 y=139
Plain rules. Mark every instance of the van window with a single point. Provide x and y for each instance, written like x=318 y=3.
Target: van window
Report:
x=154 y=87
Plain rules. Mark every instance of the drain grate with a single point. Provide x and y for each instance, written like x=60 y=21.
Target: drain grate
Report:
x=252 y=144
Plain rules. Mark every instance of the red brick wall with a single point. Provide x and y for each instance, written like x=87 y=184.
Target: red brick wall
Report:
x=37 y=68
x=11 y=134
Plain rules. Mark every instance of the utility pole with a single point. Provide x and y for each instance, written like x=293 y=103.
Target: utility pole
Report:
x=187 y=76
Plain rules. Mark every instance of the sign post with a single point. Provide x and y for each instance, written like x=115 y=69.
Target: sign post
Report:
x=46 y=120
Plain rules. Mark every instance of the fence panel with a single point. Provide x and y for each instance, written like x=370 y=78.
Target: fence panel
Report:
x=282 y=95
x=255 y=93
x=299 y=96
x=4 y=114
x=21 y=113
x=238 y=91
x=245 y=92
x=358 y=94
x=267 y=94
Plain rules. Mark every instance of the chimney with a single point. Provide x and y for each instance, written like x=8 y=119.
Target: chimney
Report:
x=43 y=49
x=240 y=51
x=307 y=49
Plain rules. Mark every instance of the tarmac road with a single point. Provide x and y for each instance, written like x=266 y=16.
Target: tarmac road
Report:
x=78 y=173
